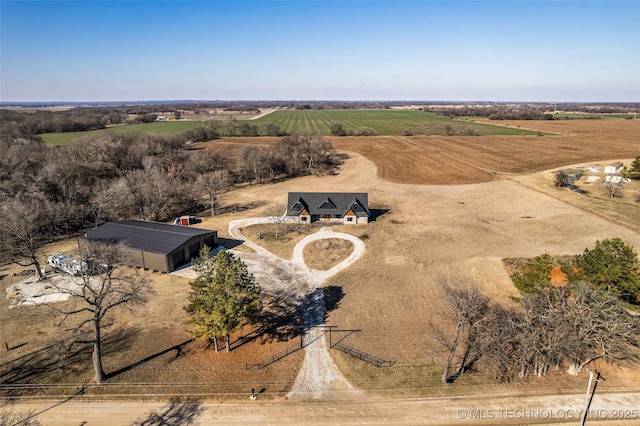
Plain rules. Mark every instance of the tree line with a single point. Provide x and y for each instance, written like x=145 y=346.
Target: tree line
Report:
x=495 y=112
x=51 y=191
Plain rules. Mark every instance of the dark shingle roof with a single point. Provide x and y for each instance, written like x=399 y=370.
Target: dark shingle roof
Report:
x=153 y=237
x=335 y=203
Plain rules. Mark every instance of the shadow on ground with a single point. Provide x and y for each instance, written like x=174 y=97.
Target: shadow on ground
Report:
x=178 y=352
x=229 y=243
x=376 y=213
x=237 y=208
x=176 y=412
x=315 y=306
x=58 y=359
x=282 y=321
x=279 y=323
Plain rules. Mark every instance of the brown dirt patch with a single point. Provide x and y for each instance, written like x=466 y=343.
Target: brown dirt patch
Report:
x=558 y=278
x=325 y=254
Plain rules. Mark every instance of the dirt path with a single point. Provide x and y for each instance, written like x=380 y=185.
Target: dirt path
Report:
x=319 y=378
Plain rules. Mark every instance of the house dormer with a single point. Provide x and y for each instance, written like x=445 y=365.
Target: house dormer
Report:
x=327 y=205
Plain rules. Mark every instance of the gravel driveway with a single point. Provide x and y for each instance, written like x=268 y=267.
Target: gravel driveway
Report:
x=319 y=378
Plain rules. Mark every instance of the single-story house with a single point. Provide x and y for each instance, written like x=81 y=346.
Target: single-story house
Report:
x=344 y=207
x=152 y=245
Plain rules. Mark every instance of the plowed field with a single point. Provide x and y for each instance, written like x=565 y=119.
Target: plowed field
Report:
x=452 y=160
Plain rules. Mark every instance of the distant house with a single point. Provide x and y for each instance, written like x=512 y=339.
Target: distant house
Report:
x=613 y=168
x=344 y=207
x=152 y=245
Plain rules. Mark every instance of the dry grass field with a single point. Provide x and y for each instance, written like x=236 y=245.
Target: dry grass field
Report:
x=456 y=205
x=325 y=254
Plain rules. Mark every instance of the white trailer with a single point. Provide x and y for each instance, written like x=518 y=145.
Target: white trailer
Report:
x=68 y=264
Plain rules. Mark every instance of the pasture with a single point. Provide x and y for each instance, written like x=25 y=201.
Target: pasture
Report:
x=449 y=204
x=156 y=128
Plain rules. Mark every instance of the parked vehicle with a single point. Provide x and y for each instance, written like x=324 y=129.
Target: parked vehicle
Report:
x=67 y=264
x=186 y=220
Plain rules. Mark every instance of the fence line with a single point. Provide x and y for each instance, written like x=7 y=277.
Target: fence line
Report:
x=305 y=340
x=363 y=356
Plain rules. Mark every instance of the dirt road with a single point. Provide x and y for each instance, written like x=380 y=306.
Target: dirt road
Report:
x=606 y=409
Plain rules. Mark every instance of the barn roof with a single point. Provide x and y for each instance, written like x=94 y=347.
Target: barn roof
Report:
x=332 y=203
x=153 y=237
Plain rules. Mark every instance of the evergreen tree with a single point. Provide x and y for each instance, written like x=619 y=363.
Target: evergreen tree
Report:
x=535 y=275
x=634 y=171
x=612 y=266
x=224 y=295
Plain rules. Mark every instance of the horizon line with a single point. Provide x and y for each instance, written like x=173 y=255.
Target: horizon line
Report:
x=404 y=101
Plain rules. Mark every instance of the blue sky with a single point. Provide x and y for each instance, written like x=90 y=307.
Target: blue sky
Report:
x=320 y=50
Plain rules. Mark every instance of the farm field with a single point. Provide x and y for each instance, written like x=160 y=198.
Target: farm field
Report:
x=447 y=160
x=449 y=204
x=383 y=122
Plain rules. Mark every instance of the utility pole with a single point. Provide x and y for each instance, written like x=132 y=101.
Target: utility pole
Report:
x=590 y=393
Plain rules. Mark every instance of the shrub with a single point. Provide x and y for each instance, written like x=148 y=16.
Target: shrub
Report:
x=364 y=131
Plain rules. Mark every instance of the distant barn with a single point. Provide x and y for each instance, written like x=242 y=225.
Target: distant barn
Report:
x=152 y=245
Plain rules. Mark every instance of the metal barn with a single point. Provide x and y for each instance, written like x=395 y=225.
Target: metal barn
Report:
x=152 y=245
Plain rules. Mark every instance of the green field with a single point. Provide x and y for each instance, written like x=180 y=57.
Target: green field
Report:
x=383 y=122
x=156 y=128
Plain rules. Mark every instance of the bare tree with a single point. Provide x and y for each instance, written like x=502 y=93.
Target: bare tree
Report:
x=115 y=201
x=161 y=192
x=25 y=227
x=504 y=352
x=230 y=125
x=561 y=178
x=448 y=130
x=213 y=184
x=600 y=328
x=277 y=216
x=12 y=418
x=103 y=287
x=544 y=336
x=558 y=328
x=306 y=154
x=255 y=163
x=153 y=191
x=613 y=186
x=467 y=309
x=200 y=162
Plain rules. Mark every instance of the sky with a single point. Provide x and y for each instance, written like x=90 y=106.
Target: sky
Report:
x=537 y=51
